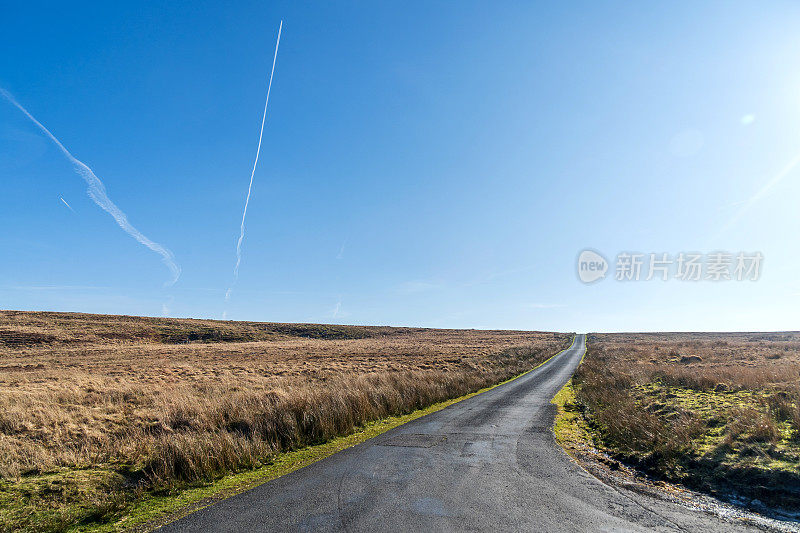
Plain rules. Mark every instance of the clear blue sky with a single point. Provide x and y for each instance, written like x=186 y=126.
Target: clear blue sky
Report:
x=422 y=164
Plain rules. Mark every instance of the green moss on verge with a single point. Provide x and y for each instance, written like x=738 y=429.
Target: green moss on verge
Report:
x=570 y=428
x=737 y=449
x=82 y=500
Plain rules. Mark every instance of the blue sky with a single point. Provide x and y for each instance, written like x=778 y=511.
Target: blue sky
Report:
x=421 y=164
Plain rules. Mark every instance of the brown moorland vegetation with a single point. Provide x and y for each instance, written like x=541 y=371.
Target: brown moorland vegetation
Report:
x=717 y=412
x=95 y=409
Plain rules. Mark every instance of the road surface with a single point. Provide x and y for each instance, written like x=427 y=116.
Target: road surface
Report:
x=488 y=463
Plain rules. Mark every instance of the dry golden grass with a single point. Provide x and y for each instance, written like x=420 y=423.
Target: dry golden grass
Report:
x=168 y=401
x=720 y=412
x=705 y=360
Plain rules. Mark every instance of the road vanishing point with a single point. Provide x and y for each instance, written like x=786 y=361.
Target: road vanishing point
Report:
x=486 y=463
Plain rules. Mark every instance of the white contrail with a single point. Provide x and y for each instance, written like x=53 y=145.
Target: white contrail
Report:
x=66 y=204
x=763 y=191
x=341 y=250
x=165 y=307
x=258 y=151
x=97 y=192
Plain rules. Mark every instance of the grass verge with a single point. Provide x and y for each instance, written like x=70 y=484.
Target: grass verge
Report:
x=155 y=511
x=736 y=440
x=571 y=429
x=85 y=492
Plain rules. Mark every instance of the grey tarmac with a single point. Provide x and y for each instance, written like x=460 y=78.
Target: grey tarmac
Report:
x=487 y=463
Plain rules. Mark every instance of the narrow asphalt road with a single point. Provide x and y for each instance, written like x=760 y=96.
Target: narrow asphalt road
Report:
x=488 y=463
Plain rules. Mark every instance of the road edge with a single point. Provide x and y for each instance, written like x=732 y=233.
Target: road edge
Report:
x=573 y=436
x=157 y=511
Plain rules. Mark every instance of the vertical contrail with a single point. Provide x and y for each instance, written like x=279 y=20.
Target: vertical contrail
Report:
x=258 y=151
x=97 y=192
